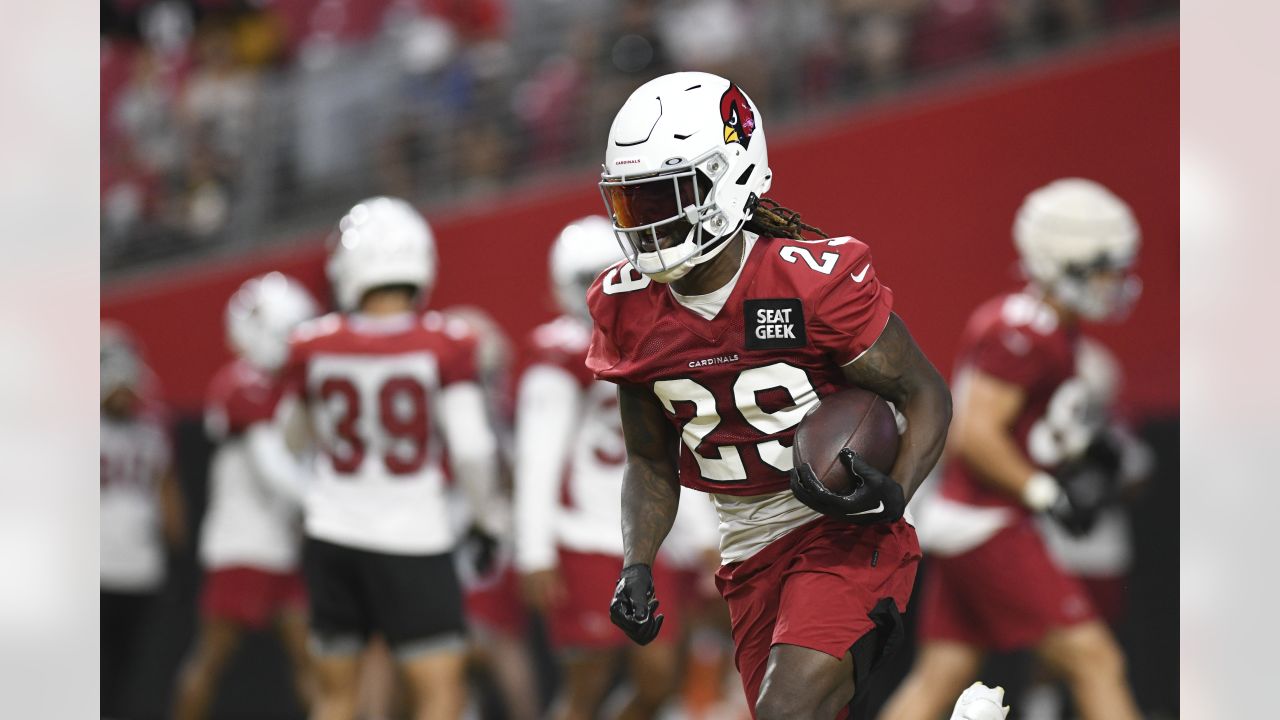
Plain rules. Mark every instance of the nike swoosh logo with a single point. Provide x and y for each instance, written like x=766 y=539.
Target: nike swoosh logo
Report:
x=872 y=511
x=859 y=276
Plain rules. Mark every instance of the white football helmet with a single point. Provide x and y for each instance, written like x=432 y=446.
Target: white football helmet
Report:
x=685 y=165
x=120 y=362
x=262 y=313
x=1078 y=241
x=582 y=251
x=381 y=241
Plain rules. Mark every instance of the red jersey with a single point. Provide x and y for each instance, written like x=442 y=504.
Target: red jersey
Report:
x=239 y=396
x=736 y=386
x=1018 y=339
x=246 y=523
x=562 y=343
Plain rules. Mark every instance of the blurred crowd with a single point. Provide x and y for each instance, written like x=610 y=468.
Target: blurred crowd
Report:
x=227 y=121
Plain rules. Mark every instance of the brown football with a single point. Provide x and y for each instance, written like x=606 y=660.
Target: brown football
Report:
x=855 y=418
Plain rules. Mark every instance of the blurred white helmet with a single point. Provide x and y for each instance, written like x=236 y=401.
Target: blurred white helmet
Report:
x=582 y=251
x=381 y=241
x=121 y=364
x=1077 y=240
x=262 y=313
x=685 y=166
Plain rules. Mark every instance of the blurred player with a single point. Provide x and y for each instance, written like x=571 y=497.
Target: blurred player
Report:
x=722 y=329
x=141 y=510
x=497 y=620
x=1023 y=419
x=1111 y=472
x=383 y=384
x=249 y=542
x=568 y=483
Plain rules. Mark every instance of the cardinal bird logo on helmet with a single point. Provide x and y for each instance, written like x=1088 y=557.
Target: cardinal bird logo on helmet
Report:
x=739 y=118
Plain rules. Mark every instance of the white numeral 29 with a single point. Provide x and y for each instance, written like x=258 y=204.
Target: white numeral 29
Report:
x=729 y=467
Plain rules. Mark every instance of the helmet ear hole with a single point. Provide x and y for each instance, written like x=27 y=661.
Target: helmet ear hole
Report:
x=746 y=175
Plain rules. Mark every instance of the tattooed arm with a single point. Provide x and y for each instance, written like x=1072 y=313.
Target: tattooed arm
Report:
x=650 y=496
x=895 y=369
x=650 y=488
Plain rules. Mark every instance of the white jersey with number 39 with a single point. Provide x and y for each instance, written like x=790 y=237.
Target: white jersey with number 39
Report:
x=382 y=394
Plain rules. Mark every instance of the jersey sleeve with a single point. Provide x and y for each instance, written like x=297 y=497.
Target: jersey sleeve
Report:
x=1008 y=354
x=602 y=354
x=851 y=312
x=236 y=402
x=458 y=363
x=291 y=380
x=561 y=347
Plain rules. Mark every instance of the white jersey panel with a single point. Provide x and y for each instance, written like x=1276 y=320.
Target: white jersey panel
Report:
x=134 y=458
x=592 y=521
x=246 y=524
x=748 y=523
x=1106 y=551
x=379 y=484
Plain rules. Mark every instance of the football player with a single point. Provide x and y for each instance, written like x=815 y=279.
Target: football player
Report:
x=141 y=510
x=382 y=384
x=722 y=329
x=1023 y=421
x=498 y=622
x=568 y=482
x=1098 y=548
x=249 y=541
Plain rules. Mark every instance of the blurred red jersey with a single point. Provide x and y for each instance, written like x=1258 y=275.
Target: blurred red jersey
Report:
x=735 y=386
x=1017 y=339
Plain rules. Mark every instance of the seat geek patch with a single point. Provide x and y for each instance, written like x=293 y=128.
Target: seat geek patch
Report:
x=774 y=324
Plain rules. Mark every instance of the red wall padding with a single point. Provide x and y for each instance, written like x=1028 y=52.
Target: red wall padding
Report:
x=931 y=181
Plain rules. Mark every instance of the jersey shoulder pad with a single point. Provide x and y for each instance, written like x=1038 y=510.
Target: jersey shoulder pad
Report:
x=618 y=284
x=811 y=268
x=562 y=343
x=1018 y=312
x=453 y=328
x=316 y=329
x=565 y=335
x=1010 y=337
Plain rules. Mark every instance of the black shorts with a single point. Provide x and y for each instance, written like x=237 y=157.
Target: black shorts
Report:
x=413 y=601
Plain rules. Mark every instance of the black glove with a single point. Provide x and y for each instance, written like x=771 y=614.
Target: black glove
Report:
x=1089 y=485
x=633 y=608
x=481 y=550
x=875 y=497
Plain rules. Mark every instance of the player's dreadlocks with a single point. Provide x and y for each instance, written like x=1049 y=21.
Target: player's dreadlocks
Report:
x=772 y=220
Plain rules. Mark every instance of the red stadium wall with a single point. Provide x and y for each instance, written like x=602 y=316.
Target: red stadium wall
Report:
x=931 y=181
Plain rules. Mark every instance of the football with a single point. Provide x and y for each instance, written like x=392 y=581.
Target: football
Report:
x=855 y=418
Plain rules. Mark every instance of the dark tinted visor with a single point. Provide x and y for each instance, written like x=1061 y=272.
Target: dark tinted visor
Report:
x=650 y=201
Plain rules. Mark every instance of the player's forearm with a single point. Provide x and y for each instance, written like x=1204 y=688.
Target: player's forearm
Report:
x=273 y=463
x=650 y=500
x=546 y=411
x=995 y=458
x=173 y=513
x=928 y=413
x=473 y=449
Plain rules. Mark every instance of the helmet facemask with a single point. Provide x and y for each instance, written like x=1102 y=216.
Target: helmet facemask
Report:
x=667 y=222
x=1102 y=291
